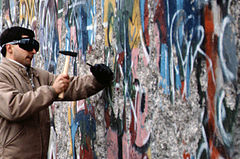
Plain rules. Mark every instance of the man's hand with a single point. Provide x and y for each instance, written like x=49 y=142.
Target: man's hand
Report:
x=102 y=73
x=61 y=83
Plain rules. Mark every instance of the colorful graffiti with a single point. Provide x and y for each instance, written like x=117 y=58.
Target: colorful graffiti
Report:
x=129 y=21
x=190 y=38
x=80 y=23
x=48 y=35
x=187 y=32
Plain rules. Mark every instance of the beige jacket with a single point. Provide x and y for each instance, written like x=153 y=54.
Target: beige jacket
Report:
x=24 y=117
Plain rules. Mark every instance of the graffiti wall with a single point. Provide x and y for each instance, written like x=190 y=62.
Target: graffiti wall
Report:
x=176 y=64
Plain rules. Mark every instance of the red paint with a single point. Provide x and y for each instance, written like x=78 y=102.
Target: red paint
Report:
x=214 y=154
x=217 y=150
x=132 y=129
x=146 y=23
x=86 y=151
x=211 y=51
x=160 y=19
x=89 y=49
x=121 y=58
x=186 y=155
x=107 y=117
x=160 y=28
x=182 y=90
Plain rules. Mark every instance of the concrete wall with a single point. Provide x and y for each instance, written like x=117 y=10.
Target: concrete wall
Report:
x=176 y=65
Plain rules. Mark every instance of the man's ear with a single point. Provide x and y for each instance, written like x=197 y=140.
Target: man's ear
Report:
x=8 y=48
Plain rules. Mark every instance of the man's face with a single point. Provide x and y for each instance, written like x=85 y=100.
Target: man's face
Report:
x=20 y=55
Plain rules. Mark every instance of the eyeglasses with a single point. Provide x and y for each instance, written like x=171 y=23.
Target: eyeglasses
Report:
x=26 y=44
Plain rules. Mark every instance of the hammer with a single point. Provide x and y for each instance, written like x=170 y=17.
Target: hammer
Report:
x=66 y=65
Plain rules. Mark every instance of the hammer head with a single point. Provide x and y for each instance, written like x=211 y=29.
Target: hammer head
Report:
x=69 y=53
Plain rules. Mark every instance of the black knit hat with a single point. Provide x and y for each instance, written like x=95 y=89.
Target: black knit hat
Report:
x=13 y=33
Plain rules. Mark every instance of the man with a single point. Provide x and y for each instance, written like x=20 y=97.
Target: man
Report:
x=26 y=93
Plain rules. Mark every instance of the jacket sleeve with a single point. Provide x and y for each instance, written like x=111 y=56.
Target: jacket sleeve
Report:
x=17 y=106
x=82 y=87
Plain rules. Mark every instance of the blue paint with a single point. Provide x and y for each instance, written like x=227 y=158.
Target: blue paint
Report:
x=103 y=3
x=179 y=4
x=192 y=9
x=81 y=17
x=188 y=74
x=141 y=3
x=87 y=125
x=82 y=34
x=171 y=10
x=91 y=13
x=164 y=69
x=178 y=79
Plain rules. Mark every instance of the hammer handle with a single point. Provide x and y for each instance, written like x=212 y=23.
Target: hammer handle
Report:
x=65 y=71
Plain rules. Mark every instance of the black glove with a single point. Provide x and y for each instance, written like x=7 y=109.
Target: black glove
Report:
x=102 y=73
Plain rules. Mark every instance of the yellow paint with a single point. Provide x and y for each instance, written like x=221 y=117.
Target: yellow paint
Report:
x=134 y=26
x=109 y=9
x=149 y=154
x=27 y=10
x=69 y=116
x=74 y=109
x=69 y=122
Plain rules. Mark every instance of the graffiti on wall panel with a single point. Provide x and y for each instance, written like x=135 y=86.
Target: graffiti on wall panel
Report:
x=188 y=36
x=187 y=40
x=48 y=34
x=9 y=13
x=180 y=35
x=80 y=23
x=220 y=115
x=82 y=116
x=126 y=29
x=23 y=13
x=27 y=13
x=81 y=18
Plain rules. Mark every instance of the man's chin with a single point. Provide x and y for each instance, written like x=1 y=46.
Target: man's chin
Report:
x=28 y=64
x=28 y=61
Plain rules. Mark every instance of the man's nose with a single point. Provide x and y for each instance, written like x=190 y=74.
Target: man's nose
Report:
x=34 y=51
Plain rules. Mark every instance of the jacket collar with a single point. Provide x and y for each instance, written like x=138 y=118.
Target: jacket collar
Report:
x=18 y=66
